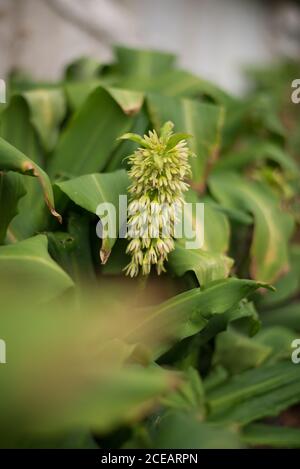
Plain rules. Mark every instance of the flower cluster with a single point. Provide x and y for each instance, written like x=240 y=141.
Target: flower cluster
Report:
x=158 y=169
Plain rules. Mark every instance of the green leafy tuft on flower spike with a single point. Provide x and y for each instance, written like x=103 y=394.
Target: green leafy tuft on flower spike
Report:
x=158 y=171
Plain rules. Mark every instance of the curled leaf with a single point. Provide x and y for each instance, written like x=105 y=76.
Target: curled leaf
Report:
x=11 y=159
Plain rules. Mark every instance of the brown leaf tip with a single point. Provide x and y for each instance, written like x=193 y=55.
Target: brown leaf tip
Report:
x=104 y=255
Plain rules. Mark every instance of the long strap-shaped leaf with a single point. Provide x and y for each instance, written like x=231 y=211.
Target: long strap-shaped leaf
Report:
x=255 y=394
x=188 y=313
x=272 y=226
x=91 y=135
x=11 y=191
x=13 y=159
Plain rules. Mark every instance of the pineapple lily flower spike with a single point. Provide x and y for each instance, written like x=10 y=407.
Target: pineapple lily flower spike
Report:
x=158 y=169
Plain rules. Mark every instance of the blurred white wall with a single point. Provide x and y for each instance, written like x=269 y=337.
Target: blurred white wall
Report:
x=37 y=39
x=213 y=38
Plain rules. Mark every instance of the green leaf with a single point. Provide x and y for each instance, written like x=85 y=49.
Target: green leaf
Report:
x=179 y=430
x=208 y=266
x=47 y=110
x=90 y=136
x=84 y=68
x=28 y=265
x=127 y=147
x=177 y=83
x=91 y=190
x=277 y=338
x=201 y=120
x=188 y=313
x=255 y=152
x=72 y=250
x=138 y=62
x=217 y=376
x=130 y=102
x=208 y=263
x=11 y=159
x=256 y=393
x=243 y=316
x=122 y=397
x=11 y=190
x=287 y=316
x=17 y=129
x=78 y=92
x=258 y=434
x=237 y=352
x=78 y=439
x=287 y=286
x=272 y=227
x=77 y=371
x=190 y=396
